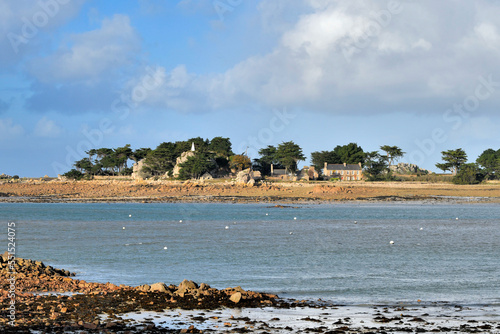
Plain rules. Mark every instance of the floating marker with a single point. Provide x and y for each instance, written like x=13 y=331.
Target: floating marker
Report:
x=227 y=227
x=456 y=218
x=355 y=222
x=294 y=218
x=180 y=221
x=421 y=228
x=291 y=233
x=123 y=227
x=267 y=214
x=165 y=248
x=391 y=242
x=130 y=215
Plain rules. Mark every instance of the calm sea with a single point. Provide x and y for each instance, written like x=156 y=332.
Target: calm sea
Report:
x=337 y=252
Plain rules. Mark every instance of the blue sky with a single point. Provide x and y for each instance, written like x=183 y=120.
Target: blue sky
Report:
x=78 y=74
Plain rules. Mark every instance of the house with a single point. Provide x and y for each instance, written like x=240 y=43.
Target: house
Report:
x=308 y=173
x=344 y=172
x=278 y=172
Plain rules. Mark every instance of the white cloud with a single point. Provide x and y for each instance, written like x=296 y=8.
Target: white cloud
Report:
x=47 y=128
x=358 y=56
x=92 y=55
x=422 y=44
x=9 y=130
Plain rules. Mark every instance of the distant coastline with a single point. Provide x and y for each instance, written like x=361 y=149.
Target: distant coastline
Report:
x=124 y=190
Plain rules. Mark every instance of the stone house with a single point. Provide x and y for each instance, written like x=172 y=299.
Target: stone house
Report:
x=277 y=172
x=344 y=172
x=308 y=173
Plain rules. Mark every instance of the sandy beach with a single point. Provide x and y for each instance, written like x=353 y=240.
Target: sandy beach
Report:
x=227 y=191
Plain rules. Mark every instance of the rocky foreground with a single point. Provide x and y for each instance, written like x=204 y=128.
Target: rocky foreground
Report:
x=49 y=300
x=75 y=305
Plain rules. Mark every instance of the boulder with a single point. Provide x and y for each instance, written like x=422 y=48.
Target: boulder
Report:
x=256 y=175
x=180 y=160
x=159 y=287
x=144 y=288
x=187 y=285
x=406 y=168
x=236 y=297
x=137 y=170
x=206 y=176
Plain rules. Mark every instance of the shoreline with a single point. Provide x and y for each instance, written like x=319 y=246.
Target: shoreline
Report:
x=120 y=191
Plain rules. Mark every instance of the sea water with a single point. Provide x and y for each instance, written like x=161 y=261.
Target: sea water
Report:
x=337 y=252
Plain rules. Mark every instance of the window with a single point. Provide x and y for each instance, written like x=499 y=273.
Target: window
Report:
x=341 y=172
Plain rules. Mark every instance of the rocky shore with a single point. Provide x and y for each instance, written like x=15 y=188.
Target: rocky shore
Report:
x=49 y=300
x=116 y=190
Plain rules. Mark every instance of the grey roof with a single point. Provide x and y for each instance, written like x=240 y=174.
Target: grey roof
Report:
x=342 y=167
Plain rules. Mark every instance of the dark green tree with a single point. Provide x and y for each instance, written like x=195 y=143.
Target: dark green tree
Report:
x=121 y=156
x=453 y=160
x=221 y=146
x=74 y=174
x=140 y=154
x=84 y=165
x=267 y=158
x=196 y=166
x=375 y=168
x=489 y=160
x=289 y=154
x=318 y=159
x=393 y=153
x=161 y=160
x=350 y=153
x=468 y=174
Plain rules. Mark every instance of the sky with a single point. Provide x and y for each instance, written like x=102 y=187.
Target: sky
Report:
x=80 y=74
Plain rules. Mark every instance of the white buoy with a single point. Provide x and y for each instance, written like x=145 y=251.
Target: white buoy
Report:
x=355 y=222
x=180 y=221
x=391 y=242
x=165 y=248
x=267 y=214
x=227 y=227
x=291 y=233
x=421 y=228
x=294 y=218
x=123 y=227
x=130 y=215
x=456 y=218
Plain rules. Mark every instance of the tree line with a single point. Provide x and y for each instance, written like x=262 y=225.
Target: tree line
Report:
x=486 y=167
x=216 y=157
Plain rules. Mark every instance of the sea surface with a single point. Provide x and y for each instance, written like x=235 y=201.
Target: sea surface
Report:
x=441 y=253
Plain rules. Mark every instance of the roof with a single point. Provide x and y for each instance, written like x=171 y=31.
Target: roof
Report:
x=342 y=167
